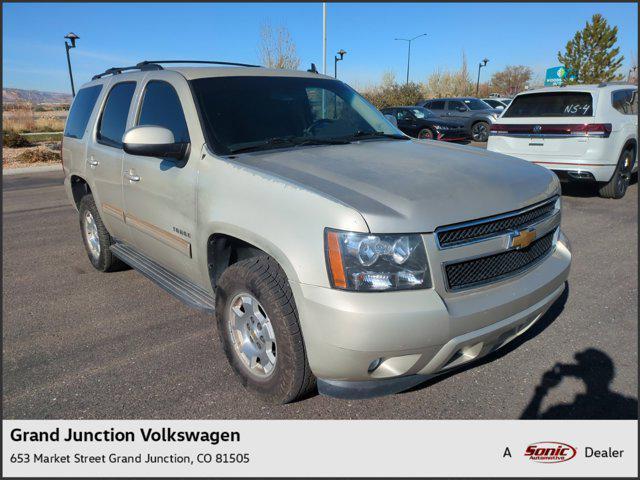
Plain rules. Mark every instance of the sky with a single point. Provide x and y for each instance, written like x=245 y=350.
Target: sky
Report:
x=120 y=34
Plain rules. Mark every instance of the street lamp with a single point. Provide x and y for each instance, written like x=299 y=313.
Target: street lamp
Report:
x=336 y=60
x=483 y=63
x=409 y=40
x=72 y=37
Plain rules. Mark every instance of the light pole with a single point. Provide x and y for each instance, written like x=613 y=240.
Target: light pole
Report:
x=483 y=63
x=409 y=40
x=72 y=38
x=336 y=60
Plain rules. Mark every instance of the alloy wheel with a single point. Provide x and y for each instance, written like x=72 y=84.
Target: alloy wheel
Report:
x=252 y=335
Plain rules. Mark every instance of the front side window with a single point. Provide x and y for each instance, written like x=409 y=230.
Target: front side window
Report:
x=113 y=121
x=455 y=105
x=161 y=107
x=420 y=112
x=625 y=101
x=241 y=113
x=404 y=115
x=551 y=104
x=81 y=111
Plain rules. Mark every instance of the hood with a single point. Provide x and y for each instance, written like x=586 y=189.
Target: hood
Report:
x=411 y=185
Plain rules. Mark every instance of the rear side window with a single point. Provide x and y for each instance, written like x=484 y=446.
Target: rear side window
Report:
x=114 y=116
x=552 y=104
x=454 y=105
x=161 y=106
x=81 y=111
x=625 y=101
x=436 y=105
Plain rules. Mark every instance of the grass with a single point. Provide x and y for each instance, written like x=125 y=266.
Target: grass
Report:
x=44 y=137
x=22 y=118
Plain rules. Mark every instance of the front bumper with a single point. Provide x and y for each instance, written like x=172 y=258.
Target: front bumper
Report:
x=419 y=334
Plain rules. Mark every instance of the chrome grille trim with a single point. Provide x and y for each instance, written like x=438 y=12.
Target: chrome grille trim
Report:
x=445 y=243
x=541 y=242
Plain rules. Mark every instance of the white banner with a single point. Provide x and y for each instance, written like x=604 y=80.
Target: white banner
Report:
x=371 y=448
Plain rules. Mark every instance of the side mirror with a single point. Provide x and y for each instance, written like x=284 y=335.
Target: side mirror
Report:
x=462 y=109
x=152 y=141
x=392 y=119
x=500 y=107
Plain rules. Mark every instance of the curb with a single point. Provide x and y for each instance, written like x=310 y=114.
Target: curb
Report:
x=41 y=168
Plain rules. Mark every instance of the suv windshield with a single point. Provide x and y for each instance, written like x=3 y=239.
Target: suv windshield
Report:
x=475 y=104
x=551 y=104
x=261 y=112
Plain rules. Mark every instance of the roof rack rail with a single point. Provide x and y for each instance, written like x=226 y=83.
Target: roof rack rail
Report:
x=604 y=84
x=210 y=62
x=143 y=66
x=155 y=65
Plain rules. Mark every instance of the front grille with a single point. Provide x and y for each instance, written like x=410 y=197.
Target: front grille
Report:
x=452 y=236
x=494 y=267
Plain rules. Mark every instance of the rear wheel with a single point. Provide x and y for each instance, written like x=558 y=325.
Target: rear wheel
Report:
x=617 y=186
x=426 y=134
x=96 y=238
x=258 y=325
x=480 y=131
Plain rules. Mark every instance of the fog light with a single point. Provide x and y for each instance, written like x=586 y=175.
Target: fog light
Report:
x=373 y=365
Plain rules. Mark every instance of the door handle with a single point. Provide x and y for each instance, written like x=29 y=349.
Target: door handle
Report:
x=131 y=177
x=93 y=162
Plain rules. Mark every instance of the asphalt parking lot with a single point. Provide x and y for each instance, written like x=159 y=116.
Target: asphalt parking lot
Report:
x=82 y=344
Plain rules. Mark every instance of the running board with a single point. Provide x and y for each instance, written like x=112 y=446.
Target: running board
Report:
x=186 y=291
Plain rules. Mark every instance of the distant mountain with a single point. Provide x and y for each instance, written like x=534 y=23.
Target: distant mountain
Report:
x=13 y=95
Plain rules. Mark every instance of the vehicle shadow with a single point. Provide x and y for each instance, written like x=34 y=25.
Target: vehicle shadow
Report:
x=596 y=369
x=547 y=319
x=587 y=189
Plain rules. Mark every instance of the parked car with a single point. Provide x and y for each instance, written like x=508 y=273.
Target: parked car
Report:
x=581 y=132
x=497 y=103
x=476 y=114
x=419 y=122
x=329 y=246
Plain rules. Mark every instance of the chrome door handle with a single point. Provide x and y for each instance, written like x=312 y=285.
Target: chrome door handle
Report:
x=93 y=162
x=131 y=177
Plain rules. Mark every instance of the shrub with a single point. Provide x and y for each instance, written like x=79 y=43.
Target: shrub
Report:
x=394 y=94
x=15 y=140
x=38 y=155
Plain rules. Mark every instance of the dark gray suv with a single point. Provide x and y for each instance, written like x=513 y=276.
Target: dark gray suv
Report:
x=476 y=114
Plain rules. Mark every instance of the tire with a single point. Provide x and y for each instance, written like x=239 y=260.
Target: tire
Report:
x=480 y=132
x=102 y=259
x=426 y=134
x=617 y=186
x=284 y=375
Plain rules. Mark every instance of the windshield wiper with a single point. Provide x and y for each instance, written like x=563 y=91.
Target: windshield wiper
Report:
x=360 y=134
x=292 y=141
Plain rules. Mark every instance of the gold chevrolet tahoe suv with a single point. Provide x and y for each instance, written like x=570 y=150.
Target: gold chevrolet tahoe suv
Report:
x=331 y=248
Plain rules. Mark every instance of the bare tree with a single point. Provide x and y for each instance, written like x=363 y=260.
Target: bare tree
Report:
x=445 y=83
x=277 y=49
x=511 y=80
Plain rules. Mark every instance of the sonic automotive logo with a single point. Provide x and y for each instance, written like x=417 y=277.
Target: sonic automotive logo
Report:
x=550 y=452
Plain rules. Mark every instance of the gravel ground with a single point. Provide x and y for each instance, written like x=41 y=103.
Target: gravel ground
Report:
x=82 y=344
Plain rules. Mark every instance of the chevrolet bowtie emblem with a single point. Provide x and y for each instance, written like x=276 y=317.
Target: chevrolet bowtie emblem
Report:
x=522 y=239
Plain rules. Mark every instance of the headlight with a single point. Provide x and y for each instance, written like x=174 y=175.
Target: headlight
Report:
x=365 y=262
x=557 y=207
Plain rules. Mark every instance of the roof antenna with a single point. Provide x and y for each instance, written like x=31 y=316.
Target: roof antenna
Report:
x=313 y=68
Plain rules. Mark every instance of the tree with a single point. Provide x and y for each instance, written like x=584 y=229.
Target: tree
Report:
x=591 y=55
x=511 y=80
x=450 y=84
x=277 y=49
x=391 y=94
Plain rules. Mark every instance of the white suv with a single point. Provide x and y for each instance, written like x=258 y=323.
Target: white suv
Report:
x=581 y=132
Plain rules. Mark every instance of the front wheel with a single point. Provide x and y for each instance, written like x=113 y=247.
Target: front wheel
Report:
x=426 y=134
x=480 y=131
x=617 y=186
x=258 y=326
